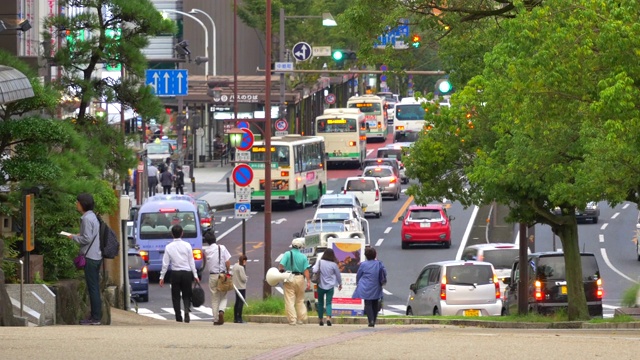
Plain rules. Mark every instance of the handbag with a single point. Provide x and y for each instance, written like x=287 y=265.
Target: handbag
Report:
x=315 y=277
x=80 y=261
x=382 y=276
x=225 y=283
x=197 y=295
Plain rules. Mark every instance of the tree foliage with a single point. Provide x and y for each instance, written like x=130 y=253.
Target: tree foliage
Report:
x=552 y=121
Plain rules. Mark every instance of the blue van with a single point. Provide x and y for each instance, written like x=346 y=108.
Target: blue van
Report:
x=153 y=230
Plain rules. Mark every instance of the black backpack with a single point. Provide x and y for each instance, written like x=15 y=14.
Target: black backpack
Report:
x=109 y=244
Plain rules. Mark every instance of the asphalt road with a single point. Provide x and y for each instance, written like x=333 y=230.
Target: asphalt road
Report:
x=610 y=240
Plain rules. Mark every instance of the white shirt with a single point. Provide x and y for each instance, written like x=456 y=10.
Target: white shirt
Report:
x=180 y=255
x=213 y=265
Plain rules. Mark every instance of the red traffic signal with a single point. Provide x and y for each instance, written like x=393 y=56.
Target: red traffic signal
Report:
x=415 y=40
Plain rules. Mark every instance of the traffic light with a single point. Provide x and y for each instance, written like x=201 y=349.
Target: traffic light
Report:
x=337 y=55
x=340 y=56
x=182 y=49
x=415 y=40
x=443 y=87
x=114 y=34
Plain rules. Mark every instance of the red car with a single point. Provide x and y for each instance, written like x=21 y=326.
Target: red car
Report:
x=426 y=224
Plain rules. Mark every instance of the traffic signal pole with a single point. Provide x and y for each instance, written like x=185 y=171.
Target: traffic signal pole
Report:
x=281 y=57
x=321 y=71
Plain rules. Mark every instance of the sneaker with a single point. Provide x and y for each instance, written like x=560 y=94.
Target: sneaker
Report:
x=328 y=322
x=300 y=322
x=89 y=322
x=322 y=323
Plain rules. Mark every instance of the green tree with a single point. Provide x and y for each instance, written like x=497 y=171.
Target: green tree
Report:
x=551 y=126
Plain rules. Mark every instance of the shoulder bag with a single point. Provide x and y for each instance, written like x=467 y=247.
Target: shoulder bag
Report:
x=225 y=283
x=80 y=261
x=315 y=278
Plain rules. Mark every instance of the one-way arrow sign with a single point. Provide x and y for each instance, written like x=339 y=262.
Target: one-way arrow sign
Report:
x=302 y=51
x=168 y=82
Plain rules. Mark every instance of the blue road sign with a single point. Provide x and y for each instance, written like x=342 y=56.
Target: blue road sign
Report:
x=243 y=210
x=302 y=51
x=168 y=82
x=242 y=175
x=242 y=124
x=396 y=37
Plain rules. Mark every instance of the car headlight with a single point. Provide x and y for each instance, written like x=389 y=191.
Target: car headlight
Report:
x=591 y=206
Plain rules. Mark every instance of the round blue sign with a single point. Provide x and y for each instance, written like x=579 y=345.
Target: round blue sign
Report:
x=247 y=140
x=242 y=175
x=242 y=125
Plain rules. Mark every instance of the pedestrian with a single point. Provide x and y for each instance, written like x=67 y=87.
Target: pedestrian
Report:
x=297 y=263
x=179 y=180
x=152 y=179
x=127 y=181
x=179 y=255
x=329 y=279
x=217 y=262
x=89 y=241
x=240 y=282
x=370 y=278
x=170 y=165
x=166 y=180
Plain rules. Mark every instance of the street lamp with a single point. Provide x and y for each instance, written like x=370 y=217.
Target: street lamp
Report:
x=327 y=20
x=213 y=25
x=206 y=34
x=23 y=26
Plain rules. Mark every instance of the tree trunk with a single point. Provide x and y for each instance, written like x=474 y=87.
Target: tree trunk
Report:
x=568 y=234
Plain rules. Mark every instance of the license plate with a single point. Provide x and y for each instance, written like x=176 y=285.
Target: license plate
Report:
x=471 y=313
x=563 y=290
x=425 y=224
x=364 y=209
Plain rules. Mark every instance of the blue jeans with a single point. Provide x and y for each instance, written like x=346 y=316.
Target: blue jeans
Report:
x=92 y=277
x=321 y=305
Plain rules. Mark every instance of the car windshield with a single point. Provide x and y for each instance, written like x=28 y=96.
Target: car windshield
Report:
x=135 y=261
x=379 y=162
x=553 y=268
x=158 y=225
x=336 y=202
x=407 y=137
x=361 y=185
x=334 y=216
x=425 y=214
x=390 y=153
x=378 y=172
x=317 y=227
x=500 y=258
x=469 y=274
x=158 y=149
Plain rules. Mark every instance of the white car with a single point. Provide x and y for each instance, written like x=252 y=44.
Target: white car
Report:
x=368 y=191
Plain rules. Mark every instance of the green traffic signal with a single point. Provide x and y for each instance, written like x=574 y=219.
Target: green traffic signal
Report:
x=445 y=87
x=337 y=55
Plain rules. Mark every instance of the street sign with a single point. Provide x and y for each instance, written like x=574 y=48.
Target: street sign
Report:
x=243 y=210
x=168 y=82
x=322 y=51
x=243 y=155
x=242 y=124
x=281 y=125
x=247 y=140
x=242 y=175
x=282 y=133
x=283 y=66
x=200 y=132
x=243 y=194
x=394 y=36
x=330 y=99
x=302 y=51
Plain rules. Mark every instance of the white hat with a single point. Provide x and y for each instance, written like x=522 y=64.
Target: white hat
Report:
x=298 y=243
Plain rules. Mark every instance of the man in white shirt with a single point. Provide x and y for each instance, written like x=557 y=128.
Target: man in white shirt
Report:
x=217 y=261
x=152 y=179
x=179 y=255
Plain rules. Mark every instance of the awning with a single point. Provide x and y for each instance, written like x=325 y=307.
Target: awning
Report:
x=14 y=85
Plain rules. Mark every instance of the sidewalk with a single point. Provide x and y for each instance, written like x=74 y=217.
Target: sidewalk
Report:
x=214 y=173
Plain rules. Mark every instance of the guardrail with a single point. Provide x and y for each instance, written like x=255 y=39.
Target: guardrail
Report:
x=18 y=261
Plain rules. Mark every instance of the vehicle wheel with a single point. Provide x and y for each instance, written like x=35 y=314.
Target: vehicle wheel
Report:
x=503 y=312
x=144 y=298
x=436 y=312
x=308 y=304
x=397 y=196
x=409 y=311
x=638 y=251
x=379 y=215
x=447 y=244
x=303 y=203
x=404 y=245
x=595 y=220
x=319 y=194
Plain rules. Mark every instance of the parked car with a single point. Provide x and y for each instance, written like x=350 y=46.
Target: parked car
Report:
x=138 y=276
x=367 y=190
x=456 y=287
x=548 y=290
x=426 y=224
x=206 y=214
x=500 y=255
x=342 y=200
x=386 y=179
x=591 y=212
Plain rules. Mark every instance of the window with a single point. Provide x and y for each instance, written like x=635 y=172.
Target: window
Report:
x=423 y=279
x=378 y=172
x=500 y=258
x=431 y=215
x=337 y=126
x=410 y=112
x=158 y=225
x=469 y=274
x=434 y=276
x=135 y=261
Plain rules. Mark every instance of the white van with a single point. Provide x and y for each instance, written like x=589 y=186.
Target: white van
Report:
x=367 y=190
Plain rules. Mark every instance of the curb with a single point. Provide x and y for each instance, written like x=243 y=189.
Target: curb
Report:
x=223 y=206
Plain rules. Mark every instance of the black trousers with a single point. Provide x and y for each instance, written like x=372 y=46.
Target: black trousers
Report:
x=166 y=189
x=181 y=284
x=371 y=310
x=179 y=189
x=237 y=307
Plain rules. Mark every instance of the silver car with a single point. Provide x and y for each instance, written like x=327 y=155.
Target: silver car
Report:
x=456 y=287
x=387 y=180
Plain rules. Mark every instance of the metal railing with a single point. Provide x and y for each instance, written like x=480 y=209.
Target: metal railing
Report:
x=18 y=261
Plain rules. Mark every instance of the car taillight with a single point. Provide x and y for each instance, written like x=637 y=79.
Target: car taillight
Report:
x=393 y=180
x=399 y=127
x=145 y=273
x=377 y=195
x=538 y=290
x=315 y=291
x=600 y=290
x=352 y=143
x=497 y=284
x=443 y=289
x=204 y=221
x=379 y=125
x=144 y=255
x=197 y=254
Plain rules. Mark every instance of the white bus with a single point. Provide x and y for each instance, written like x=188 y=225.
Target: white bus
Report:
x=409 y=119
x=375 y=113
x=345 y=135
x=298 y=170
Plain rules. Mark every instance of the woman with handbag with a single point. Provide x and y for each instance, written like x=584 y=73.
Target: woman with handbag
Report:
x=370 y=278
x=220 y=282
x=328 y=278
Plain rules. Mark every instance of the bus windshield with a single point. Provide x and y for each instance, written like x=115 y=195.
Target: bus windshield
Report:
x=157 y=226
x=279 y=154
x=367 y=108
x=337 y=125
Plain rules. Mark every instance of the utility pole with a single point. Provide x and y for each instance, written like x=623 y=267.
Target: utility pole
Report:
x=523 y=264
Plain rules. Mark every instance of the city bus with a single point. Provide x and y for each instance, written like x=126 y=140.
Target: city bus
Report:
x=345 y=135
x=375 y=113
x=298 y=170
x=409 y=119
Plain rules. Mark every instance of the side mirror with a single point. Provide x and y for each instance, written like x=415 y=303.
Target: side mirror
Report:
x=412 y=287
x=342 y=188
x=363 y=205
x=507 y=281
x=401 y=218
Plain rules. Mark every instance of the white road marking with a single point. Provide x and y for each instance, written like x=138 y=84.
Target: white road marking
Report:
x=465 y=237
x=204 y=309
x=604 y=226
x=154 y=316
x=379 y=242
x=279 y=289
x=223 y=219
x=369 y=152
x=230 y=230
x=615 y=215
x=386 y=292
x=610 y=265
x=625 y=206
x=144 y=311
x=601 y=238
x=387 y=230
x=329 y=192
x=402 y=308
x=253 y=212
x=610 y=307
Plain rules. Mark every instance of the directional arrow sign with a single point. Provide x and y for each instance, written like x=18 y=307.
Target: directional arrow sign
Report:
x=168 y=82
x=279 y=221
x=302 y=51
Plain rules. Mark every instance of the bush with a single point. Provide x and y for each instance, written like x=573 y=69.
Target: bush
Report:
x=629 y=296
